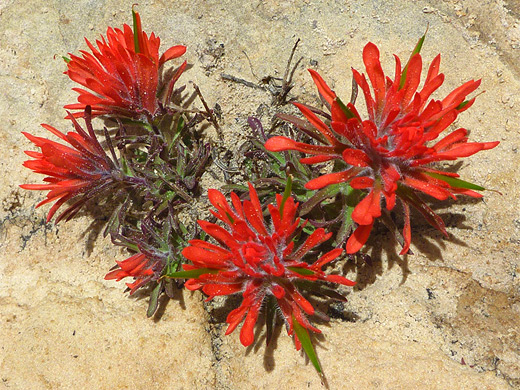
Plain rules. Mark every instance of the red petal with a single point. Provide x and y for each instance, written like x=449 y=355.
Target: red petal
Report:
x=375 y=72
x=323 y=88
x=450 y=139
x=331 y=178
x=279 y=144
x=407 y=231
x=316 y=238
x=257 y=207
x=218 y=233
x=206 y=258
x=235 y=316
x=301 y=301
x=356 y=157
x=326 y=258
x=171 y=53
x=427 y=187
x=340 y=279
x=368 y=209
x=358 y=238
x=362 y=182
x=317 y=123
x=221 y=289
x=458 y=95
x=317 y=159
x=413 y=77
x=247 y=335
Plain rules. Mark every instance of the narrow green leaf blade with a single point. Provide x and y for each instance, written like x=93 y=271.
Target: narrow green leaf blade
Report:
x=327 y=192
x=301 y=271
x=462 y=105
x=319 y=289
x=454 y=182
x=419 y=45
x=136 y=32
x=306 y=342
x=193 y=273
x=416 y=50
x=345 y=109
x=286 y=193
x=154 y=299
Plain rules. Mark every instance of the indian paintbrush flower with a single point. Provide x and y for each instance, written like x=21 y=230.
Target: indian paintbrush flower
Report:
x=391 y=153
x=80 y=171
x=258 y=261
x=137 y=266
x=122 y=74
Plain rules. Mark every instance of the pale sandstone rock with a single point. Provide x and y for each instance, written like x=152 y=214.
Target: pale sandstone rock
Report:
x=415 y=319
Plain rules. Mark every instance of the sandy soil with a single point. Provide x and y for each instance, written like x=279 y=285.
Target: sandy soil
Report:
x=446 y=317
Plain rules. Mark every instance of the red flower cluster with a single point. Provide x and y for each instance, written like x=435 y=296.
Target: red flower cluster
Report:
x=389 y=155
x=82 y=169
x=122 y=74
x=138 y=266
x=257 y=261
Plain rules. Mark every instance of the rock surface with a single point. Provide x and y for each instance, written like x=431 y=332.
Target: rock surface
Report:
x=446 y=317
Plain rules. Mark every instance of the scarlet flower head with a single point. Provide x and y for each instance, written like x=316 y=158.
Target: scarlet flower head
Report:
x=138 y=266
x=122 y=74
x=258 y=261
x=80 y=171
x=391 y=153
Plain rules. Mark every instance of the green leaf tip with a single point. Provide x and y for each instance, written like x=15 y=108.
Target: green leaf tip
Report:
x=345 y=109
x=301 y=271
x=154 y=299
x=287 y=193
x=454 y=182
x=462 y=105
x=306 y=342
x=416 y=50
x=136 y=28
x=192 y=273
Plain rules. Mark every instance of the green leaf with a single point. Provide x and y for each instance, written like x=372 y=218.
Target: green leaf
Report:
x=183 y=228
x=415 y=51
x=235 y=187
x=191 y=274
x=345 y=109
x=306 y=342
x=309 y=229
x=125 y=167
x=177 y=133
x=350 y=200
x=327 y=192
x=154 y=299
x=301 y=271
x=231 y=219
x=286 y=193
x=277 y=156
x=319 y=289
x=136 y=33
x=409 y=196
x=462 y=105
x=114 y=221
x=454 y=182
x=419 y=44
x=66 y=59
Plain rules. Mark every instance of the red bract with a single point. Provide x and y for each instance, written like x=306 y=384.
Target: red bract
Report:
x=122 y=74
x=137 y=266
x=82 y=169
x=391 y=154
x=258 y=261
